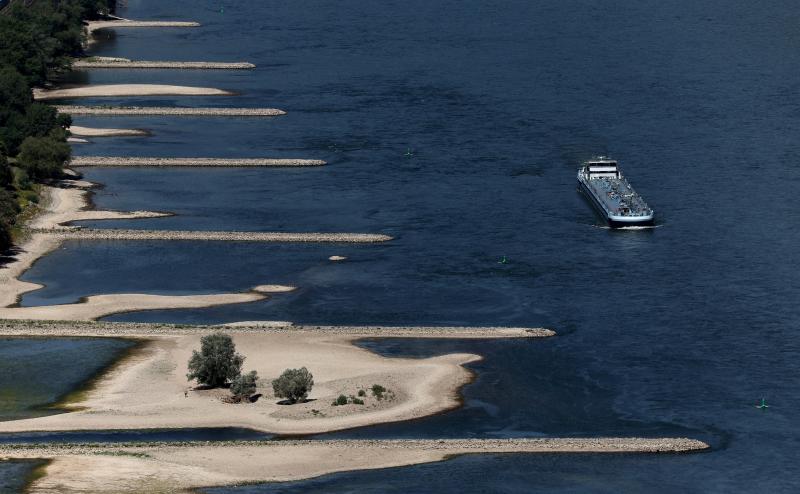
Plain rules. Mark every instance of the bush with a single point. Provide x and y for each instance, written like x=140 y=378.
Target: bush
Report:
x=216 y=362
x=358 y=401
x=244 y=386
x=293 y=384
x=378 y=390
x=341 y=400
x=361 y=392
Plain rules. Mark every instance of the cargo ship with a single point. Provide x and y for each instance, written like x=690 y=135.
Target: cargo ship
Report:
x=611 y=194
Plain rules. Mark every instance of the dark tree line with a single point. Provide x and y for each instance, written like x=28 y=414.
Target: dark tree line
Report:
x=37 y=41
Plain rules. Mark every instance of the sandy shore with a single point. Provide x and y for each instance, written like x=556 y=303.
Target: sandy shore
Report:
x=212 y=236
x=79 y=131
x=137 y=161
x=147 y=390
x=103 y=90
x=168 y=111
x=177 y=468
x=122 y=63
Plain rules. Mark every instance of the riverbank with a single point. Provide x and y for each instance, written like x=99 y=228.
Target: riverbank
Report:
x=107 y=90
x=168 y=467
x=148 y=390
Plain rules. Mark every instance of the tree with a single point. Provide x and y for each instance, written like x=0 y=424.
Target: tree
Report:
x=43 y=157
x=244 y=386
x=217 y=361
x=41 y=119
x=6 y=175
x=293 y=384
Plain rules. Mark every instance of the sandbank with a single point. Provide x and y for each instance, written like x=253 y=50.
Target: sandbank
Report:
x=101 y=132
x=103 y=90
x=176 y=468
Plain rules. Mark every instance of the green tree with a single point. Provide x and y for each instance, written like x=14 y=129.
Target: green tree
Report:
x=293 y=384
x=43 y=157
x=41 y=119
x=217 y=361
x=244 y=386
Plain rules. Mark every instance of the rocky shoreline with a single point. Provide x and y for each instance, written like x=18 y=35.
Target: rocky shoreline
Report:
x=80 y=161
x=168 y=111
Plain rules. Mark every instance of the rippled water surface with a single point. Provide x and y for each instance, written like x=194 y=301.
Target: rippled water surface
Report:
x=458 y=127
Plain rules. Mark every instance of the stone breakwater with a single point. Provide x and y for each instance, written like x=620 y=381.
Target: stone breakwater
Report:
x=147 y=64
x=168 y=111
x=78 y=161
x=115 y=234
x=456 y=446
x=95 y=25
x=101 y=328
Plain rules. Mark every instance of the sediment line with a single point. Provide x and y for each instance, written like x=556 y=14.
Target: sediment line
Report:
x=168 y=111
x=78 y=161
x=108 y=329
x=118 y=234
x=455 y=446
x=161 y=64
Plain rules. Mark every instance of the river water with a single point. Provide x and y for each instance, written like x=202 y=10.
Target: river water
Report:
x=458 y=128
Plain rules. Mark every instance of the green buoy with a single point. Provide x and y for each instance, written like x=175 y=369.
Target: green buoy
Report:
x=409 y=152
x=763 y=404
x=503 y=260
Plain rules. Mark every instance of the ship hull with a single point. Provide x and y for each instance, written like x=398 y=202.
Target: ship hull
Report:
x=613 y=221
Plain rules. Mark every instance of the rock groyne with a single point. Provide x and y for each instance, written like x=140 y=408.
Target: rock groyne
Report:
x=148 y=64
x=168 y=111
x=115 y=234
x=80 y=161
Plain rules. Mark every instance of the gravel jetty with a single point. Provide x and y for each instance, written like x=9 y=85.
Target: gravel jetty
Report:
x=93 y=26
x=457 y=446
x=148 y=64
x=117 y=234
x=102 y=328
x=78 y=161
x=168 y=111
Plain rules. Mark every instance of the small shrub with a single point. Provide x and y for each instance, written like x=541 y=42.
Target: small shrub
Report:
x=244 y=386
x=361 y=392
x=378 y=391
x=358 y=401
x=293 y=384
x=341 y=400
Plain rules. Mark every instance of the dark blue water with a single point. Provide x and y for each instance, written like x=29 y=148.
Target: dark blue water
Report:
x=14 y=475
x=129 y=436
x=458 y=127
x=37 y=372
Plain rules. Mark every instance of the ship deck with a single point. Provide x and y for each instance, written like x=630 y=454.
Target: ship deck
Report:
x=618 y=197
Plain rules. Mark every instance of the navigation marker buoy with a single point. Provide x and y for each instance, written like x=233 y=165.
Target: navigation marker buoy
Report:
x=763 y=404
x=409 y=152
x=503 y=260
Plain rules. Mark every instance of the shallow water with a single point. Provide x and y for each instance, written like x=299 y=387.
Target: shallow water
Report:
x=458 y=127
x=15 y=474
x=38 y=372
